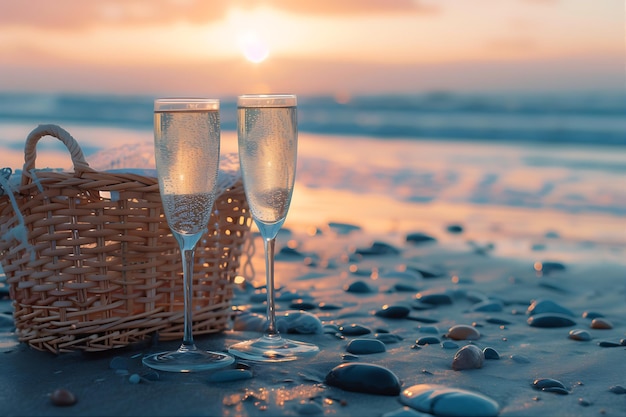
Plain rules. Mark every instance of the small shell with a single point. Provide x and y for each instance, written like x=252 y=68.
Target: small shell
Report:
x=468 y=357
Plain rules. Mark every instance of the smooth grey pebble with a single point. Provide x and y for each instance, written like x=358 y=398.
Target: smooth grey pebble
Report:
x=547 y=306
x=427 y=340
x=354 y=330
x=550 y=320
x=417 y=238
x=359 y=287
x=441 y=400
x=449 y=344
x=365 y=346
x=491 y=353
x=580 y=335
x=365 y=378
x=393 y=312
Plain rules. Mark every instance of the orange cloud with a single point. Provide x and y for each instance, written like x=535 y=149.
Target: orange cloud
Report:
x=73 y=14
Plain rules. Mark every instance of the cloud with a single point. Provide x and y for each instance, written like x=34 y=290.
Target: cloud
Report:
x=78 y=14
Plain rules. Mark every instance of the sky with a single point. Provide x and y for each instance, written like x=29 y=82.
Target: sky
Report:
x=311 y=47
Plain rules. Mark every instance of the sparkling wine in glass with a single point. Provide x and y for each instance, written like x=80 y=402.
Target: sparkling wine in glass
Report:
x=268 y=147
x=187 y=153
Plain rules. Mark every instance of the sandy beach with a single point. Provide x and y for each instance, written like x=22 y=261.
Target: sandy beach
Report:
x=366 y=240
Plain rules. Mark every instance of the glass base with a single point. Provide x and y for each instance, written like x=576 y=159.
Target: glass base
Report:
x=187 y=360
x=272 y=349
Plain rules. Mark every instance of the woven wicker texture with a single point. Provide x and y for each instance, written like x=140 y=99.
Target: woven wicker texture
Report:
x=92 y=265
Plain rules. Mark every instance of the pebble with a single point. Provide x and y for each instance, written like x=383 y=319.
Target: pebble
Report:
x=401 y=287
x=354 y=330
x=62 y=398
x=417 y=238
x=448 y=344
x=601 y=323
x=580 y=335
x=617 y=389
x=441 y=400
x=378 y=248
x=519 y=358
x=434 y=297
x=426 y=271
x=134 y=379
x=468 y=357
x=365 y=346
x=228 y=375
x=498 y=321
x=550 y=320
x=427 y=340
x=609 y=344
x=547 y=306
x=365 y=378
x=393 y=312
x=287 y=253
x=359 y=287
x=151 y=376
x=328 y=306
x=454 y=228
x=463 y=332
x=491 y=353
x=343 y=228
x=429 y=329
x=550 y=385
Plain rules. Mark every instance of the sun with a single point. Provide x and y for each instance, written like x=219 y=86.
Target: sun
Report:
x=254 y=48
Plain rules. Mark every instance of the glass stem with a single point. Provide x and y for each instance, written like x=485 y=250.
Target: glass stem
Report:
x=187 y=247
x=269 y=244
x=187 y=280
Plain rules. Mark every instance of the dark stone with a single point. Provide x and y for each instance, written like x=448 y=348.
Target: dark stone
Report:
x=393 y=312
x=360 y=287
x=354 y=330
x=491 y=353
x=454 y=228
x=550 y=320
x=365 y=346
x=419 y=238
x=365 y=378
x=427 y=340
x=378 y=248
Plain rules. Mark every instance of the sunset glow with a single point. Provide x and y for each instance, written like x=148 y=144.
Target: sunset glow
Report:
x=327 y=47
x=253 y=47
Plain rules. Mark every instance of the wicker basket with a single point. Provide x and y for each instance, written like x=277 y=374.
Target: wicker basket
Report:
x=91 y=263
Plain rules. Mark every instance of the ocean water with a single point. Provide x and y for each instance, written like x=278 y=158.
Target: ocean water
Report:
x=561 y=152
x=566 y=119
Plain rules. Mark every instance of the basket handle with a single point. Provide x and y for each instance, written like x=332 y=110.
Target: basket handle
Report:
x=30 y=149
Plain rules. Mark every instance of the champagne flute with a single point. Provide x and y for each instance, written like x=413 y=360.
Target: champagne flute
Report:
x=268 y=146
x=187 y=153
